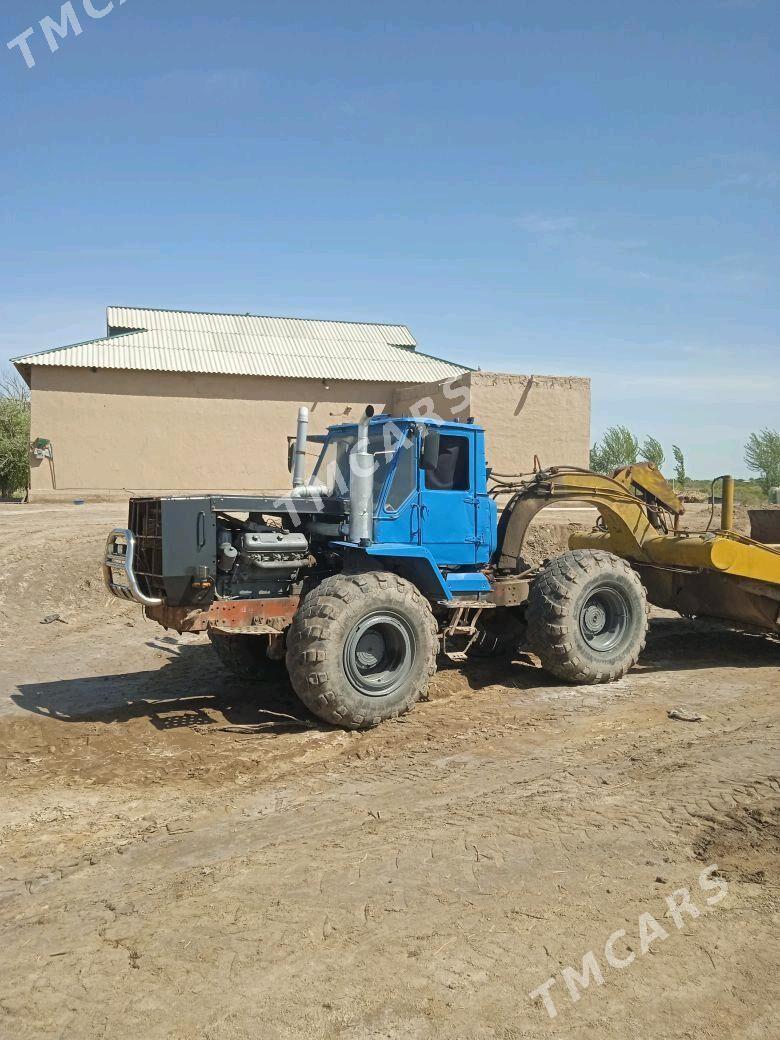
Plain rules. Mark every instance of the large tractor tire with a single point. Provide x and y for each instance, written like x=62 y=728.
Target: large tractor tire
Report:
x=501 y=633
x=362 y=648
x=587 y=617
x=246 y=656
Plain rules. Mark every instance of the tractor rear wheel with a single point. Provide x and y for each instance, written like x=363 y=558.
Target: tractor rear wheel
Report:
x=362 y=648
x=246 y=656
x=587 y=617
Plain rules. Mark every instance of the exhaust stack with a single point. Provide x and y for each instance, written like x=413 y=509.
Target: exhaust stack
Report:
x=361 y=485
x=299 y=458
x=727 y=505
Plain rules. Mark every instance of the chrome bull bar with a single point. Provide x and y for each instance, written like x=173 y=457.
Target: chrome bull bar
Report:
x=120 y=556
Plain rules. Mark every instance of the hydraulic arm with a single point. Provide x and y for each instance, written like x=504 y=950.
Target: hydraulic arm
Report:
x=714 y=573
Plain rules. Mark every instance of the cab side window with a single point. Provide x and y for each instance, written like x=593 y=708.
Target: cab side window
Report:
x=452 y=468
x=404 y=478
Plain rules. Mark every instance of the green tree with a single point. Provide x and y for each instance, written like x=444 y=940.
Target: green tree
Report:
x=652 y=451
x=618 y=448
x=680 y=476
x=14 y=435
x=762 y=456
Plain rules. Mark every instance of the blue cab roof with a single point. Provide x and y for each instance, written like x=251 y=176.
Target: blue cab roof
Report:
x=405 y=420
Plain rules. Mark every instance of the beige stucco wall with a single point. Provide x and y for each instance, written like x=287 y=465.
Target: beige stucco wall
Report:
x=448 y=399
x=548 y=416
x=115 y=432
x=523 y=416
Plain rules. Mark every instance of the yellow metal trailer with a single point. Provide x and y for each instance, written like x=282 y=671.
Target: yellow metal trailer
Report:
x=714 y=573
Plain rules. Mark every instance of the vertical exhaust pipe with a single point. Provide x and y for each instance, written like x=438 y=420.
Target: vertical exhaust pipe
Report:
x=727 y=505
x=361 y=485
x=301 y=439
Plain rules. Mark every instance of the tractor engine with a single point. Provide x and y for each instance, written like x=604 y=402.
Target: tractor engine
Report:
x=258 y=560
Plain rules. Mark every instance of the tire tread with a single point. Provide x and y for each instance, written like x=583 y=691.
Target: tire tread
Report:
x=313 y=652
x=551 y=616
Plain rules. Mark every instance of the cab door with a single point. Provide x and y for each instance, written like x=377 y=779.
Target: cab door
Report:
x=448 y=503
x=398 y=517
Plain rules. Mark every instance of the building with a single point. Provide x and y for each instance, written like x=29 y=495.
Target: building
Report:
x=175 y=401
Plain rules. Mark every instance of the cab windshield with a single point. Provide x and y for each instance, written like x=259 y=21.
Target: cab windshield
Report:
x=332 y=469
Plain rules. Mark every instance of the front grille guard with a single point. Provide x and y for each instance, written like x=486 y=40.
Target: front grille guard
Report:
x=120 y=556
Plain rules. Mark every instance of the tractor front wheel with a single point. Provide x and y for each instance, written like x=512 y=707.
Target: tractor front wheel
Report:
x=246 y=656
x=587 y=617
x=362 y=648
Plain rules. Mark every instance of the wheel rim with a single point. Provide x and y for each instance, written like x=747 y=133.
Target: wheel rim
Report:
x=379 y=653
x=604 y=618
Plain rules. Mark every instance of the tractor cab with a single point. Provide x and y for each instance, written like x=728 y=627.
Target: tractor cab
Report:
x=428 y=485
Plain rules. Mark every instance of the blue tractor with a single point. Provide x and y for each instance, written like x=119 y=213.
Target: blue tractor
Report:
x=356 y=580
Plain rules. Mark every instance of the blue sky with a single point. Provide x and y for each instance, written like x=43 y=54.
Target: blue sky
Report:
x=553 y=187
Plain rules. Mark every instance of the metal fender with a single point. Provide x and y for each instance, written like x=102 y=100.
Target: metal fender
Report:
x=418 y=563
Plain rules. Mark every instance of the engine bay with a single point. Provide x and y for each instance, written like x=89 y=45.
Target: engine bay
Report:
x=268 y=555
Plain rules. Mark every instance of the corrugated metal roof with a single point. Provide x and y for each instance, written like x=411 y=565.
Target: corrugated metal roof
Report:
x=124 y=318
x=251 y=355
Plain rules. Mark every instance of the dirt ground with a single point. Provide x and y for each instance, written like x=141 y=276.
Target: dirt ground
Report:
x=168 y=876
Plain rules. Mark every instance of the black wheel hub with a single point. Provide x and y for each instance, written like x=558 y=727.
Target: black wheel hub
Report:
x=604 y=618
x=379 y=653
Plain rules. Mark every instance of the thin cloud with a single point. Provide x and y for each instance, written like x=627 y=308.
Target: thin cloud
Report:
x=687 y=383
x=539 y=224
x=748 y=171
x=216 y=83
x=747 y=179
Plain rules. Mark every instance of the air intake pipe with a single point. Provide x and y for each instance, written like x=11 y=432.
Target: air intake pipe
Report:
x=361 y=485
x=299 y=457
x=727 y=504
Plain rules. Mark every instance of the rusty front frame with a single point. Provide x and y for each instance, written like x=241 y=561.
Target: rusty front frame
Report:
x=261 y=617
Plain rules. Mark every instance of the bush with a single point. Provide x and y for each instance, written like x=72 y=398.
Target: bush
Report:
x=14 y=437
x=680 y=476
x=618 y=448
x=762 y=456
x=652 y=451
